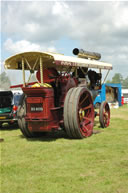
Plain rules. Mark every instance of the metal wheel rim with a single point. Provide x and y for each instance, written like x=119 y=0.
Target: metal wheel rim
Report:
x=106 y=115
x=85 y=114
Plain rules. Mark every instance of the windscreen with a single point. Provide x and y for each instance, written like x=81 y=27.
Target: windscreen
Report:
x=5 y=99
x=17 y=99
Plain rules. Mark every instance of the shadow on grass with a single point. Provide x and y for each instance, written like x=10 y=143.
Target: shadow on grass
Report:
x=97 y=124
x=9 y=127
x=51 y=136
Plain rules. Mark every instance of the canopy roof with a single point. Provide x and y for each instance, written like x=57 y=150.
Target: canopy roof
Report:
x=58 y=61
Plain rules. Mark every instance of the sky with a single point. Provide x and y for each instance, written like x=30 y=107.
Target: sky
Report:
x=60 y=26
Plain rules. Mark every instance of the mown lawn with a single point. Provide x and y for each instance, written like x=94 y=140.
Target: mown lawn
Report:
x=56 y=164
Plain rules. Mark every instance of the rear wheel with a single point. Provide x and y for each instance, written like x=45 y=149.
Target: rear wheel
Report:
x=21 y=112
x=78 y=113
x=104 y=114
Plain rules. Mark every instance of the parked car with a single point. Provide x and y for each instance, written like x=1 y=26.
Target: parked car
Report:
x=8 y=107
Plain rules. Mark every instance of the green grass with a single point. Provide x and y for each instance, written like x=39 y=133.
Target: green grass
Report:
x=55 y=164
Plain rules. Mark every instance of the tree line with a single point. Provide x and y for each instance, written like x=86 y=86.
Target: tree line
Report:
x=118 y=78
x=5 y=82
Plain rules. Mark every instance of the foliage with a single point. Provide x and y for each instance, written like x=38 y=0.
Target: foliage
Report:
x=5 y=82
x=118 y=78
x=125 y=82
x=54 y=163
x=108 y=81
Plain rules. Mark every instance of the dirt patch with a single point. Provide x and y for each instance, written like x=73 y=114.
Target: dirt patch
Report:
x=120 y=116
x=97 y=131
x=1 y=140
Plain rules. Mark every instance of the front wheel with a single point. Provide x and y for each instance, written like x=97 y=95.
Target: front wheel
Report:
x=104 y=114
x=78 y=113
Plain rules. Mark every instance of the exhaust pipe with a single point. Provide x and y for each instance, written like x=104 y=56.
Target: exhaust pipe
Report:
x=86 y=54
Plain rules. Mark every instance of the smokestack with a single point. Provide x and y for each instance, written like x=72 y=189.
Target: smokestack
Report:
x=86 y=54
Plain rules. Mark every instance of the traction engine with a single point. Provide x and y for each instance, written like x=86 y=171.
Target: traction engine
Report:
x=59 y=99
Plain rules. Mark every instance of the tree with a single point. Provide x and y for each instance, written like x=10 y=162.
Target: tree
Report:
x=5 y=82
x=108 y=81
x=125 y=82
x=117 y=78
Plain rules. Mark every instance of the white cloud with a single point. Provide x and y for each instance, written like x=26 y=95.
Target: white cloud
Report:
x=24 y=46
x=97 y=26
x=1 y=66
x=20 y=46
x=61 y=9
x=36 y=21
x=91 y=23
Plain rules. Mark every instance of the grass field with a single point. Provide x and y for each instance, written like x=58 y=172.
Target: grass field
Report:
x=56 y=164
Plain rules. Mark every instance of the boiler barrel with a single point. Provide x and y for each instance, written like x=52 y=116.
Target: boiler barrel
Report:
x=86 y=54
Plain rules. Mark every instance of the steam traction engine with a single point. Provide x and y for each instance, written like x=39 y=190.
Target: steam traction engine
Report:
x=63 y=93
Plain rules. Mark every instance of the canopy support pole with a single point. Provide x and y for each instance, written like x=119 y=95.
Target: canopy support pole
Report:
x=76 y=75
x=106 y=76
x=29 y=78
x=101 y=76
x=31 y=69
x=41 y=70
x=28 y=64
x=35 y=63
x=23 y=72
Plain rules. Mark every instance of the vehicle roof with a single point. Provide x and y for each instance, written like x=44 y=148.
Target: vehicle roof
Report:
x=59 y=61
x=6 y=93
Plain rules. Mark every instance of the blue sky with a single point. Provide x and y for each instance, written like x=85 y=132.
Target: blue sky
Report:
x=62 y=25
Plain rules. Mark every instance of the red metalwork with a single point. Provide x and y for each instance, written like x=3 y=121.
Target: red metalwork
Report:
x=104 y=114
x=21 y=85
x=78 y=113
x=122 y=100
x=45 y=105
x=49 y=75
x=62 y=96
x=15 y=108
x=41 y=113
x=64 y=104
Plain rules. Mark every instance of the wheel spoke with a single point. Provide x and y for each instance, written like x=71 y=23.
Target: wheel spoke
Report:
x=88 y=119
x=105 y=114
x=106 y=118
x=84 y=128
x=85 y=124
x=88 y=107
x=88 y=123
x=84 y=99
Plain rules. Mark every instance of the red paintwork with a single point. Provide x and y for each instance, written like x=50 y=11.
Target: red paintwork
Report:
x=48 y=75
x=15 y=108
x=122 y=100
x=21 y=85
x=106 y=114
x=86 y=125
x=51 y=100
x=66 y=83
